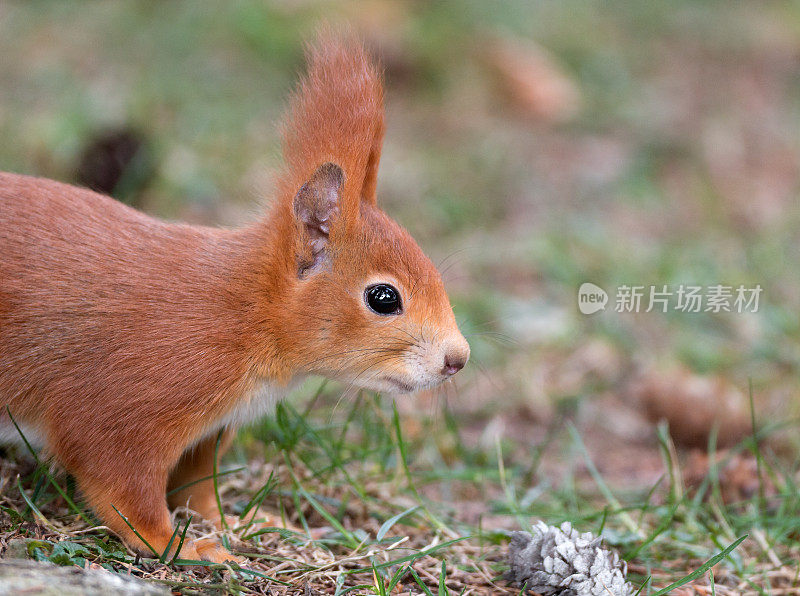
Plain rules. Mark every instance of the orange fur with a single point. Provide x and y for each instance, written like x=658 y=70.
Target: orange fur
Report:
x=127 y=343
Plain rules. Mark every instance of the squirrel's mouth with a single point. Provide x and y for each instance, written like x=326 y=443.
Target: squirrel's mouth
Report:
x=398 y=384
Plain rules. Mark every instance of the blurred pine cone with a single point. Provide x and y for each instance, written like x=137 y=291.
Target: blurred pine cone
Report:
x=118 y=163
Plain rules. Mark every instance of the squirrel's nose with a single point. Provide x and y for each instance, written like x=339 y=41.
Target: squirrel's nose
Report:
x=452 y=365
x=455 y=359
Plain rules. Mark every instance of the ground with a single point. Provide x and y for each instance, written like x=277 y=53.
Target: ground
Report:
x=530 y=149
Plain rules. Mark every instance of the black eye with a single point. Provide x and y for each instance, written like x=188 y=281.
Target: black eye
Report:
x=383 y=299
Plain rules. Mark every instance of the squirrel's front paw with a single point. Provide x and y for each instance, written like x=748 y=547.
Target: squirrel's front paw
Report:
x=209 y=549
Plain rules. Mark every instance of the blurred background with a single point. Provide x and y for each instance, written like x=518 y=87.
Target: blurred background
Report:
x=531 y=147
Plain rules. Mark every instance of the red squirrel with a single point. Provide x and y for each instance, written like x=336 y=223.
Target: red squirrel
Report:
x=128 y=343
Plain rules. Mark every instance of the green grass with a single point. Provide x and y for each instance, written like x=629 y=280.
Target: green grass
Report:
x=383 y=497
x=678 y=169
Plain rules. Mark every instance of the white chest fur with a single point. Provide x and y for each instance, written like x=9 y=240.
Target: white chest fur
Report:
x=9 y=435
x=259 y=401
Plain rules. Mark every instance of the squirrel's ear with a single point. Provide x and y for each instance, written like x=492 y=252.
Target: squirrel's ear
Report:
x=316 y=206
x=369 y=190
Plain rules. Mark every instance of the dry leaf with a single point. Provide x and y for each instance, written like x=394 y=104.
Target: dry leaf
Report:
x=531 y=79
x=693 y=405
x=738 y=475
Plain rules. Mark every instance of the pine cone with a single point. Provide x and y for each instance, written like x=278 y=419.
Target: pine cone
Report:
x=563 y=562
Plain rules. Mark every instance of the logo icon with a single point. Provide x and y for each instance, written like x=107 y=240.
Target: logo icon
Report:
x=591 y=298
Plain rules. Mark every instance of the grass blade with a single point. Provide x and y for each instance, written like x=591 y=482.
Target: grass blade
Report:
x=39 y=464
x=398 y=575
x=702 y=569
x=401 y=446
x=378 y=581
x=409 y=558
x=352 y=541
x=387 y=525
x=601 y=484
x=662 y=527
x=204 y=478
x=421 y=584
x=139 y=536
x=36 y=513
x=163 y=557
x=180 y=542
x=215 y=475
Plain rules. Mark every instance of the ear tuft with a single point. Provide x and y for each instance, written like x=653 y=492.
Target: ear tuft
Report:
x=316 y=206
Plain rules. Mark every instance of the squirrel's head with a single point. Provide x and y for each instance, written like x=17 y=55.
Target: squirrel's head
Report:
x=361 y=302
x=371 y=307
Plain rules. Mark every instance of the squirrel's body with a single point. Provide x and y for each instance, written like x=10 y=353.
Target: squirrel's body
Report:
x=129 y=301
x=128 y=343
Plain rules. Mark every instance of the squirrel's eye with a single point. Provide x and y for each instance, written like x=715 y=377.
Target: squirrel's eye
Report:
x=383 y=299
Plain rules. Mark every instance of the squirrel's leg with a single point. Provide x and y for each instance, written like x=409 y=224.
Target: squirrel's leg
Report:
x=193 y=483
x=196 y=463
x=140 y=498
x=191 y=478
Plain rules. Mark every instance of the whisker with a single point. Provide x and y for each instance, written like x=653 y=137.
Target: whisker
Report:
x=414 y=339
x=500 y=337
x=452 y=254
x=359 y=352
x=485 y=372
x=485 y=323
